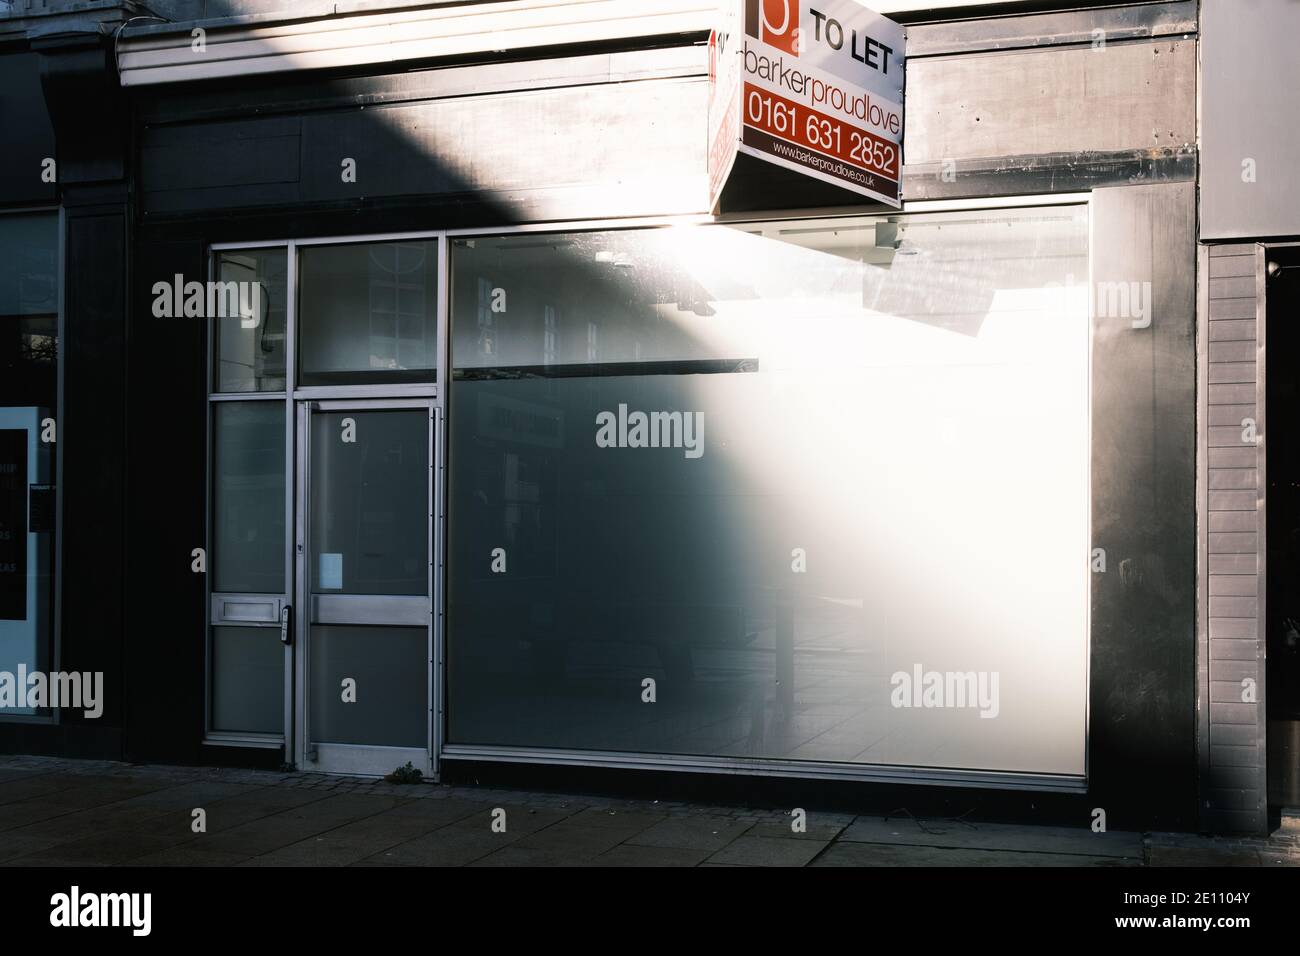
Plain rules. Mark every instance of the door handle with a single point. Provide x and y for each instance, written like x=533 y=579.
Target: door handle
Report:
x=286 y=634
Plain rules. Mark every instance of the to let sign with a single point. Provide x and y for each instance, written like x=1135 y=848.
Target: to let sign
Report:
x=812 y=86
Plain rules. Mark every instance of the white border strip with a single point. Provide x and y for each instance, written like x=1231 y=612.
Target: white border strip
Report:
x=153 y=56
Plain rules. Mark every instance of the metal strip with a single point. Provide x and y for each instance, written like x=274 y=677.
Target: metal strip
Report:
x=210 y=458
x=358 y=760
x=1261 y=526
x=386 y=610
x=156 y=54
x=265 y=742
x=1034 y=29
x=246 y=396
x=261 y=609
x=290 y=487
x=363 y=392
x=268 y=244
x=301 y=650
x=368 y=404
x=436 y=589
x=866 y=773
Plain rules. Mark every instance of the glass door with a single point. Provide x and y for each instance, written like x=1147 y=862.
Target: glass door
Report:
x=365 y=585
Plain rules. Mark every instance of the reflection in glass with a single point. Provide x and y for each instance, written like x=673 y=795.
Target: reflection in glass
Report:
x=893 y=475
x=368 y=313
x=369 y=479
x=250 y=348
x=248 y=497
x=247 y=680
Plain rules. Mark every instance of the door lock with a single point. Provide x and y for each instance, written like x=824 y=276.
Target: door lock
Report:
x=286 y=635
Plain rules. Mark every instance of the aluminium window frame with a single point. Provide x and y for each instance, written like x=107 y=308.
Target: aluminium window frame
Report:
x=793 y=769
x=55 y=715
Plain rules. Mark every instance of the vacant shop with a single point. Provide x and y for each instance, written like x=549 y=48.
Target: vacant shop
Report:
x=516 y=453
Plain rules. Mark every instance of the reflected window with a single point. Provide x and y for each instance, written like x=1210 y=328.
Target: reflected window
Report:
x=249 y=336
x=367 y=313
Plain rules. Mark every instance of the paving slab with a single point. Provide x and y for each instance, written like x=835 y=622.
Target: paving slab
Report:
x=368 y=836
x=628 y=821
x=449 y=846
x=33 y=787
x=10 y=774
x=769 y=851
x=189 y=794
x=107 y=849
x=520 y=820
x=816 y=832
x=631 y=854
x=993 y=836
x=187 y=854
x=61 y=812
x=1271 y=858
x=290 y=826
x=875 y=854
x=702 y=832
x=529 y=856
x=1200 y=856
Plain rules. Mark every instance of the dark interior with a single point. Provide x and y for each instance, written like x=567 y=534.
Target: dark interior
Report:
x=1283 y=516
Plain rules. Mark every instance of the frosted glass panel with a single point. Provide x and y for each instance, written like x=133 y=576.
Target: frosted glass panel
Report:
x=369 y=502
x=389 y=666
x=826 y=483
x=248 y=497
x=247 y=680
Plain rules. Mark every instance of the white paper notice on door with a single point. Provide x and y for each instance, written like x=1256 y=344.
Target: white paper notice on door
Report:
x=330 y=574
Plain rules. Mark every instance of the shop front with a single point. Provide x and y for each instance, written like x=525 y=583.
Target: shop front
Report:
x=518 y=447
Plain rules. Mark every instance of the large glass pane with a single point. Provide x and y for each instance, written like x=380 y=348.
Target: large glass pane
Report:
x=29 y=303
x=369 y=502
x=368 y=313
x=794 y=473
x=250 y=332
x=248 y=497
x=390 y=670
x=247 y=680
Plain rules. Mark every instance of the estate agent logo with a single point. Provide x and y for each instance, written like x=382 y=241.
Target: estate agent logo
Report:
x=776 y=23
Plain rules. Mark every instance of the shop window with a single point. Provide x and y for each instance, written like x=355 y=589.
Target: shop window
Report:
x=29 y=340
x=248 y=497
x=245 y=656
x=792 y=474
x=367 y=313
x=249 y=334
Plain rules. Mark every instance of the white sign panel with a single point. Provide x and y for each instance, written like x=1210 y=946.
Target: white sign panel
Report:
x=814 y=86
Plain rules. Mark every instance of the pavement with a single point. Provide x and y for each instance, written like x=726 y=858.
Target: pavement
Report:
x=61 y=812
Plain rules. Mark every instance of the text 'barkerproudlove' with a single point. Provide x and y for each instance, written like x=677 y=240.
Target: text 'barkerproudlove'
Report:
x=626 y=429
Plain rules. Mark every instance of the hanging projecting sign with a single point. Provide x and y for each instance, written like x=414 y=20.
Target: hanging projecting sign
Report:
x=812 y=86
